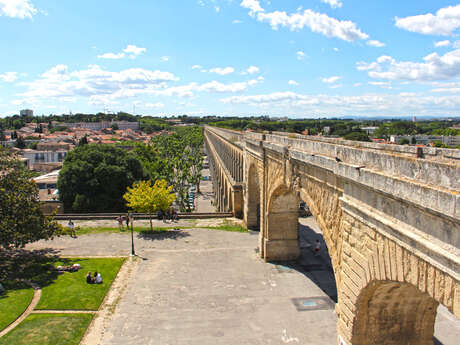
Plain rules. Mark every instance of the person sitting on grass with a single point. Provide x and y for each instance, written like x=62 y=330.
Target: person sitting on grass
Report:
x=89 y=278
x=97 y=278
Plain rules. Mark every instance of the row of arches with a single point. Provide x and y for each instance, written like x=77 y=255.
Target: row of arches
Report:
x=383 y=312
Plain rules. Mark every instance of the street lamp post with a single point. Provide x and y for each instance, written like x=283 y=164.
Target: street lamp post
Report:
x=131 y=218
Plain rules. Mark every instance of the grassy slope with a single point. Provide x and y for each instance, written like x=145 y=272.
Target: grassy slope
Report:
x=49 y=329
x=12 y=305
x=70 y=290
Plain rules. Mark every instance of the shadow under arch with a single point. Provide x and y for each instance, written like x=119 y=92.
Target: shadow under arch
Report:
x=391 y=312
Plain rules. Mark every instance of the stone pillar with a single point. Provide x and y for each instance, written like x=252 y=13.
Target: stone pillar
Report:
x=237 y=192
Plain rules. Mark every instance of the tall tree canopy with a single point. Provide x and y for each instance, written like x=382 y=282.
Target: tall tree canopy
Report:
x=95 y=177
x=21 y=219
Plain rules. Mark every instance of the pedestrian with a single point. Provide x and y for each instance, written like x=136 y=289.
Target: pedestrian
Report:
x=120 y=222
x=72 y=229
x=317 y=248
x=131 y=219
x=173 y=214
x=127 y=220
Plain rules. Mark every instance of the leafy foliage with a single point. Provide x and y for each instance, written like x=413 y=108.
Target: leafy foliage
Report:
x=144 y=197
x=175 y=158
x=95 y=177
x=21 y=219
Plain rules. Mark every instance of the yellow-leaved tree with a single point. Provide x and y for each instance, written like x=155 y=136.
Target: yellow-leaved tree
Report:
x=143 y=197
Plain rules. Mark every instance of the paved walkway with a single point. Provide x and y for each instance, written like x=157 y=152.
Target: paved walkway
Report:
x=203 y=202
x=208 y=287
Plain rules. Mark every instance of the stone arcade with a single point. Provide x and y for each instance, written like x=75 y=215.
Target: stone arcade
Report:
x=390 y=217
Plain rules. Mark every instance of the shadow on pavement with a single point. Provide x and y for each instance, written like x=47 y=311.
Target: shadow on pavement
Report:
x=316 y=268
x=156 y=235
x=436 y=341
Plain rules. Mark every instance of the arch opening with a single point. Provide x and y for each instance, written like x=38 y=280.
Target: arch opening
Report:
x=253 y=203
x=395 y=313
x=281 y=240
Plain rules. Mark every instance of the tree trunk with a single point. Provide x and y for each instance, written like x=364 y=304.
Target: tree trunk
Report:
x=151 y=227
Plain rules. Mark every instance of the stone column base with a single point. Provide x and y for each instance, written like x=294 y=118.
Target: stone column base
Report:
x=281 y=250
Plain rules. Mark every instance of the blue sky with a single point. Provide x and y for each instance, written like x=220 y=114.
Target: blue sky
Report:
x=292 y=58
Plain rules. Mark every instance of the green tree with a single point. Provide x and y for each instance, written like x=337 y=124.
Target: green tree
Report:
x=404 y=141
x=115 y=127
x=2 y=135
x=143 y=197
x=21 y=219
x=83 y=141
x=20 y=143
x=95 y=177
x=357 y=136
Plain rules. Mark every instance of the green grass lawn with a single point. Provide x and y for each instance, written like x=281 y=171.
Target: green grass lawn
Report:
x=98 y=230
x=70 y=290
x=13 y=303
x=49 y=329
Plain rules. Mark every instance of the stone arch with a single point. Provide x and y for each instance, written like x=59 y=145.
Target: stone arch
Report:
x=252 y=215
x=391 y=312
x=281 y=238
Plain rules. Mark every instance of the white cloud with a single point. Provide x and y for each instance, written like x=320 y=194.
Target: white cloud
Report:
x=379 y=83
x=434 y=67
x=134 y=50
x=94 y=82
x=217 y=9
x=253 y=70
x=222 y=71
x=215 y=86
x=197 y=67
x=131 y=50
x=237 y=21
x=17 y=9
x=9 y=77
x=335 y=86
x=293 y=82
x=300 y=55
x=316 y=22
x=333 y=3
x=375 y=43
x=378 y=104
x=165 y=58
x=445 y=43
x=456 y=44
x=154 y=105
x=252 y=5
x=111 y=56
x=357 y=84
x=331 y=80
x=444 y=22
x=336 y=49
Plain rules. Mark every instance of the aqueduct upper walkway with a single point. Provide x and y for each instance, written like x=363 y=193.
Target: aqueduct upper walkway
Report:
x=390 y=217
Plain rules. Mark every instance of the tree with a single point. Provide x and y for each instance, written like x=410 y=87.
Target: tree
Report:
x=83 y=141
x=413 y=141
x=95 y=177
x=404 y=141
x=357 y=136
x=20 y=143
x=21 y=219
x=115 y=127
x=142 y=197
x=2 y=135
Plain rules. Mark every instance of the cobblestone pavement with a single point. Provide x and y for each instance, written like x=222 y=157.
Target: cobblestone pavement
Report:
x=205 y=287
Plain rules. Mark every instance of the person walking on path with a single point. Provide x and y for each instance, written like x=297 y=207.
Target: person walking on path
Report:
x=127 y=220
x=120 y=222
x=72 y=229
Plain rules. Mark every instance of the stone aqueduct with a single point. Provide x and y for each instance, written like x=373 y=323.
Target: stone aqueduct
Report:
x=390 y=217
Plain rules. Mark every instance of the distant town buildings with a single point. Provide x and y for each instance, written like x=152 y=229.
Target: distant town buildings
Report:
x=369 y=130
x=26 y=112
x=427 y=139
x=97 y=126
